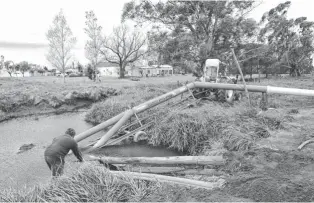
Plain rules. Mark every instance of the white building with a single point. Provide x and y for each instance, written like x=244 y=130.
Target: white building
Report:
x=163 y=70
x=135 y=69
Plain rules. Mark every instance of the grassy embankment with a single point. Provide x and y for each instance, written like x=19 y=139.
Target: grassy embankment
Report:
x=263 y=164
x=44 y=95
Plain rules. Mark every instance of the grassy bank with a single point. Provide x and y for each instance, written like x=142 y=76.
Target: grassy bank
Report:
x=21 y=97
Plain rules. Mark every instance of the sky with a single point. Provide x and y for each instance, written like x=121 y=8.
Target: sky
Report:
x=24 y=23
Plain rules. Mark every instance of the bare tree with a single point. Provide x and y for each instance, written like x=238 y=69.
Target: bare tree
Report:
x=123 y=46
x=93 y=45
x=61 y=42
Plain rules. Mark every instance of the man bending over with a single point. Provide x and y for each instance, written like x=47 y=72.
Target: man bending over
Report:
x=60 y=147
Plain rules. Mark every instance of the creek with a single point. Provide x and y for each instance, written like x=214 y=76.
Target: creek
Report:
x=29 y=168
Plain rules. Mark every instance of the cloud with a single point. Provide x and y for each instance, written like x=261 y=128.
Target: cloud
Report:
x=22 y=45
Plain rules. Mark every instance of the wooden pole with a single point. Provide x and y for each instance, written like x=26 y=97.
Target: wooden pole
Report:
x=171 y=160
x=239 y=68
x=170 y=179
x=175 y=170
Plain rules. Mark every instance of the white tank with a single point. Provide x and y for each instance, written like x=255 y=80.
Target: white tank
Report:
x=212 y=62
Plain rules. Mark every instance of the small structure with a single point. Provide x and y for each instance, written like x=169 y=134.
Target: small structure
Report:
x=155 y=70
x=163 y=70
x=108 y=69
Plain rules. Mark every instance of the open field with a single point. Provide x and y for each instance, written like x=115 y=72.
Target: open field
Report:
x=263 y=162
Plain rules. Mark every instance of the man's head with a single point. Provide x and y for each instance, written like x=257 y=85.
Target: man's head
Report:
x=70 y=131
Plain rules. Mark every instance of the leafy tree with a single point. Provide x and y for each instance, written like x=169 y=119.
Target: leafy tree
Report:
x=61 y=42
x=91 y=72
x=93 y=45
x=290 y=41
x=24 y=67
x=79 y=67
x=156 y=46
x=10 y=67
x=41 y=71
x=122 y=47
x=202 y=29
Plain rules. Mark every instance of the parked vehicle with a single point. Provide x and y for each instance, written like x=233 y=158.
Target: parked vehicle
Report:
x=61 y=75
x=75 y=75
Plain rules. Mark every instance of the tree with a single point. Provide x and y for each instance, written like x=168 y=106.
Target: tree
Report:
x=122 y=47
x=93 y=45
x=156 y=46
x=91 y=72
x=61 y=42
x=41 y=71
x=10 y=67
x=24 y=66
x=79 y=67
x=206 y=28
x=289 y=40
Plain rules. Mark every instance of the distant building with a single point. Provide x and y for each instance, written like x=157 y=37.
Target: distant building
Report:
x=165 y=70
x=137 y=69
x=108 y=69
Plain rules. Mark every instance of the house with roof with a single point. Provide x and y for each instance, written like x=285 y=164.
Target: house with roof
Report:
x=163 y=70
x=108 y=69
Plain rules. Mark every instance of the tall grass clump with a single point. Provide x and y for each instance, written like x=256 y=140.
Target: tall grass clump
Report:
x=90 y=183
x=194 y=130
x=130 y=97
x=189 y=130
x=107 y=109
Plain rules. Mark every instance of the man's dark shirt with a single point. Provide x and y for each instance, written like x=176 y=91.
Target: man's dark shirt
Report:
x=61 y=146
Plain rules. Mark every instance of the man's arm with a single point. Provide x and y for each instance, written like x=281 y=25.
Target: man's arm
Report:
x=77 y=152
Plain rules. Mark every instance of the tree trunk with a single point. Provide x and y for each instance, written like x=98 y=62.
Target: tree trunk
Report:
x=298 y=72
x=122 y=70
x=251 y=75
x=259 y=72
x=63 y=75
x=95 y=74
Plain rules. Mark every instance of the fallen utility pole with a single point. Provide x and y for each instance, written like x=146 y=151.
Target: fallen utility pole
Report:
x=171 y=160
x=170 y=179
x=173 y=170
x=119 y=122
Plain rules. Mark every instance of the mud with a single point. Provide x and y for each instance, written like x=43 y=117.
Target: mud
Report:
x=275 y=170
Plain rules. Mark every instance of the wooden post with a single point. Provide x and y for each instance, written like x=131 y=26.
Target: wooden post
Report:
x=264 y=102
x=171 y=160
x=170 y=179
x=239 y=68
x=173 y=170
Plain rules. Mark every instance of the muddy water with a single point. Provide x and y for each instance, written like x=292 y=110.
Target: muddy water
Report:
x=28 y=168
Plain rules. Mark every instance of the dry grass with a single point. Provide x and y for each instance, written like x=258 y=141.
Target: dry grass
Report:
x=130 y=97
x=197 y=129
x=94 y=183
x=90 y=183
